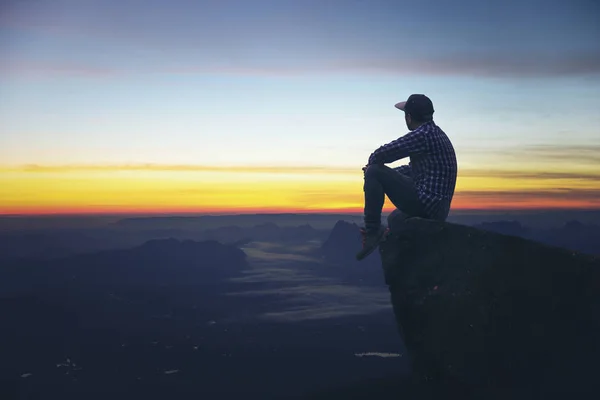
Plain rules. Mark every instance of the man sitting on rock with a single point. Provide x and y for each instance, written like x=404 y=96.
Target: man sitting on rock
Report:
x=423 y=188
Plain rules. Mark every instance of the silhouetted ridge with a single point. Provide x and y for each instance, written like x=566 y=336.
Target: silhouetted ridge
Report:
x=512 y=228
x=187 y=250
x=501 y=316
x=343 y=243
x=265 y=232
x=574 y=225
x=142 y=221
x=339 y=253
x=573 y=235
x=343 y=237
x=156 y=262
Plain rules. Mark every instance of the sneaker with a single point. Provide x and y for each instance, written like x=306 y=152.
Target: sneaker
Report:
x=370 y=241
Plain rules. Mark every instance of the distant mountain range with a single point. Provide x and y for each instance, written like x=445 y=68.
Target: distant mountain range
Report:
x=107 y=323
x=266 y=232
x=344 y=240
x=339 y=244
x=573 y=235
x=154 y=263
x=49 y=243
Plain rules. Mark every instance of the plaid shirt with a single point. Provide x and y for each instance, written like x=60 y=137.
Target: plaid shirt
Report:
x=432 y=166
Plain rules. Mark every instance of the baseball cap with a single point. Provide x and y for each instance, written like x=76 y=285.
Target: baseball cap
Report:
x=417 y=105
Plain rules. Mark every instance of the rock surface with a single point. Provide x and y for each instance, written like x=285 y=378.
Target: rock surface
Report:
x=500 y=316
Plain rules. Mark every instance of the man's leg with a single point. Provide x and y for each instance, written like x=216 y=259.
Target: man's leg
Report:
x=379 y=181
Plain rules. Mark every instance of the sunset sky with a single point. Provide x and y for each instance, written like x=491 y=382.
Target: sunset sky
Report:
x=275 y=105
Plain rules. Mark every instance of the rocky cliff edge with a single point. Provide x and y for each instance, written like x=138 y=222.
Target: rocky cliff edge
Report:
x=500 y=316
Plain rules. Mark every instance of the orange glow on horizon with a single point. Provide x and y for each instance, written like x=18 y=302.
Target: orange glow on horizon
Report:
x=460 y=203
x=155 y=189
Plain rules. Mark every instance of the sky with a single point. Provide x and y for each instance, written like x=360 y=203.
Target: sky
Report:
x=264 y=105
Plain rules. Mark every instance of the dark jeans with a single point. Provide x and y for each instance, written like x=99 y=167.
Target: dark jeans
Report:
x=381 y=180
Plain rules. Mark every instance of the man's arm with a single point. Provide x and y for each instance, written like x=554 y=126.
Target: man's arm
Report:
x=410 y=144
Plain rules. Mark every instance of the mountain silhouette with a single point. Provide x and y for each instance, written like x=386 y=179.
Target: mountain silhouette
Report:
x=573 y=235
x=343 y=243
x=96 y=320
x=513 y=228
x=339 y=250
x=56 y=243
x=269 y=232
x=156 y=262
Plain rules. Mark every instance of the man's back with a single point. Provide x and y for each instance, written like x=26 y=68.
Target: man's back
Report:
x=434 y=170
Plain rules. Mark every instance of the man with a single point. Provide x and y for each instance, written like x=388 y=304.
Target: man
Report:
x=423 y=188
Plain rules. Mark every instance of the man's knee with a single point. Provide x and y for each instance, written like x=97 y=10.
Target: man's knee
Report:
x=374 y=170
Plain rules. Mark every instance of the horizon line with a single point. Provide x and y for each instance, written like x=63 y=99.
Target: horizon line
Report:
x=291 y=212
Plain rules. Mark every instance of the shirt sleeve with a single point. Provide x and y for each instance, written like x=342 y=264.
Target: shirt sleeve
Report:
x=404 y=170
x=412 y=143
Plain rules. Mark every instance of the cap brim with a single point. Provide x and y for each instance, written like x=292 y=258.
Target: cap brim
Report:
x=400 y=106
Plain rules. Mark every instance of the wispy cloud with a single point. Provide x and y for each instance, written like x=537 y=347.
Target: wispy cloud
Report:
x=49 y=69
x=530 y=65
x=457 y=65
x=304 y=295
x=486 y=65
x=530 y=175
x=322 y=300
x=527 y=172
x=543 y=161
x=575 y=153
x=69 y=168
x=535 y=195
x=589 y=153
x=281 y=38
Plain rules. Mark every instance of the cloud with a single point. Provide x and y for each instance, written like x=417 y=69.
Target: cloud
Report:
x=317 y=312
x=529 y=65
x=378 y=354
x=530 y=175
x=470 y=172
x=544 y=161
x=471 y=65
x=267 y=169
x=319 y=301
x=275 y=274
x=314 y=38
x=303 y=296
x=553 y=151
x=588 y=153
x=485 y=65
x=539 y=199
x=45 y=69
